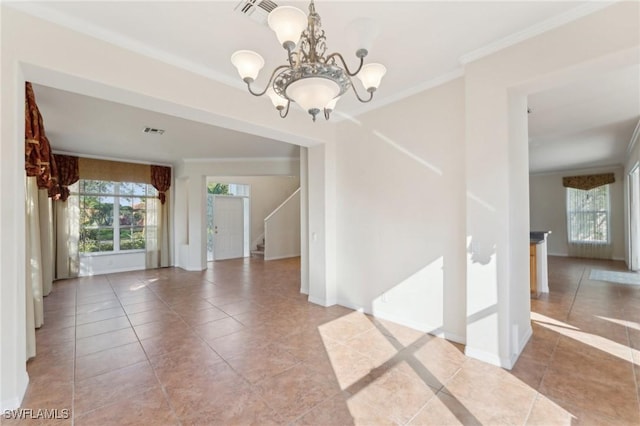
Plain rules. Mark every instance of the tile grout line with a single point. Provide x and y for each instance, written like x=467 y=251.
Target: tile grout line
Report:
x=162 y=388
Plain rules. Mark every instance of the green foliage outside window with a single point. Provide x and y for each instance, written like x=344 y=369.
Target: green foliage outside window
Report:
x=100 y=203
x=218 y=188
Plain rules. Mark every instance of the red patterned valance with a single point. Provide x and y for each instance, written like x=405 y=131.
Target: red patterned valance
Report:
x=39 y=160
x=587 y=182
x=161 y=180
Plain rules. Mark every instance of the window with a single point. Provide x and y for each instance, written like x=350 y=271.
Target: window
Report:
x=588 y=215
x=113 y=215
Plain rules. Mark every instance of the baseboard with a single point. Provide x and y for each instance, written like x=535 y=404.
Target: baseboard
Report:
x=521 y=344
x=557 y=254
x=113 y=271
x=416 y=325
x=191 y=269
x=286 y=256
x=321 y=302
x=487 y=357
x=566 y=255
x=15 y=402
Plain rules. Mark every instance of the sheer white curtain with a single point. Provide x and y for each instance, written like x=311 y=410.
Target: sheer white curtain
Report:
x=588 y=222
x=67 y=235
x=39 y=255
x=157 y=232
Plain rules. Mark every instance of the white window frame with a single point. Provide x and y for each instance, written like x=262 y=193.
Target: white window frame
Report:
x=606 y=212
x=116 y=216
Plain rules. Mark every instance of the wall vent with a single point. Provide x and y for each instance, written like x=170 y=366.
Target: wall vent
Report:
x=153 y=131
x=258 y=10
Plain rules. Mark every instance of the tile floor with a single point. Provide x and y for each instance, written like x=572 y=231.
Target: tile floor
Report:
x=238 y=344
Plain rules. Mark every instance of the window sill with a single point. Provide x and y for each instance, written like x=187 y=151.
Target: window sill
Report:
x=111 y=253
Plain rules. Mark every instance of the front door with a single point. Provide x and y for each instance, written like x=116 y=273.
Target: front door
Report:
x=228 y=227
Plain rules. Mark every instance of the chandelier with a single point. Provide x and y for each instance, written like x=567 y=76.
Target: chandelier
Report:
x=312 y=78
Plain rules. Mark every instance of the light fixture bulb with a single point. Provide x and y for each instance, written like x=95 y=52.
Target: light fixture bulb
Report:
x=313 y=92
x=370 y=75
x=287 y=22
x=248 y=63
x=332 y=104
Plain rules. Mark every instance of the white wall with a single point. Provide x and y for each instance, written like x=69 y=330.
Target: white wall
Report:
x=547 y=208
x=267 y=193
x=282 y=230
x=400 y=197
x=97 y=264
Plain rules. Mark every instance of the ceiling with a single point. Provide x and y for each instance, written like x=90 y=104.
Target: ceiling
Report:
x=420 y=42
x=588 y=123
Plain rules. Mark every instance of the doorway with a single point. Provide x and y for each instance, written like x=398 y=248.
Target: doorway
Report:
x=228 y=220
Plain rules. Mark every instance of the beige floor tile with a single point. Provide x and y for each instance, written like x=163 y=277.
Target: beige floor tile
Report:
x=168 y=355
x=398 y=392
x=149 y=407
x=116 y=385
x=296 y=391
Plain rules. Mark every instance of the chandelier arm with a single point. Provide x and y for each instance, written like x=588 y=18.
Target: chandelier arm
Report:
x=286 y=110
x=344 y=64
x=273 y=74
x=364 y=101
x=291 y=56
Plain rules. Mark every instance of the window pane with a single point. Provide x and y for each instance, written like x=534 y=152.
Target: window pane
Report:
x=139 y=189
x=97 y=187
x=126 y=211
x=126 y=188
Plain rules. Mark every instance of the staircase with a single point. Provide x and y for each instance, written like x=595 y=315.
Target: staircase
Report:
x=259 y=251
x=282 y=229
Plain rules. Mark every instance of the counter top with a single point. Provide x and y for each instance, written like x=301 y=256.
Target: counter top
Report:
x=536 y=237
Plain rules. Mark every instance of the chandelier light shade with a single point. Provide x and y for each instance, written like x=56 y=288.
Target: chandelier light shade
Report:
x=287 y=22
x=311 y=78
x=248 y=63
x=370 y=75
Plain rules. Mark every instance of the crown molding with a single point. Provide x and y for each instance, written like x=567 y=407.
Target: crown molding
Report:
x=240 y=159
x=580 y=170
x=41 y=11
x=535 y=30
x=107 y=158
x=634 y=138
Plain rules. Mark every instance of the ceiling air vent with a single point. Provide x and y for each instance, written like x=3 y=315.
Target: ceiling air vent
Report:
x=153 y=131
x=258 y=10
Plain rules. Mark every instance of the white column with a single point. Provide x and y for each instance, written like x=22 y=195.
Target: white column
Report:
x=304 y=221
x=322 y=225
x=197 y=251
x=13 y=371
x=497 y=223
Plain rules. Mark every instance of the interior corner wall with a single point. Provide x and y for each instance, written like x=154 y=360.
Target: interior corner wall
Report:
x=400 y=185
x=548 y=209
